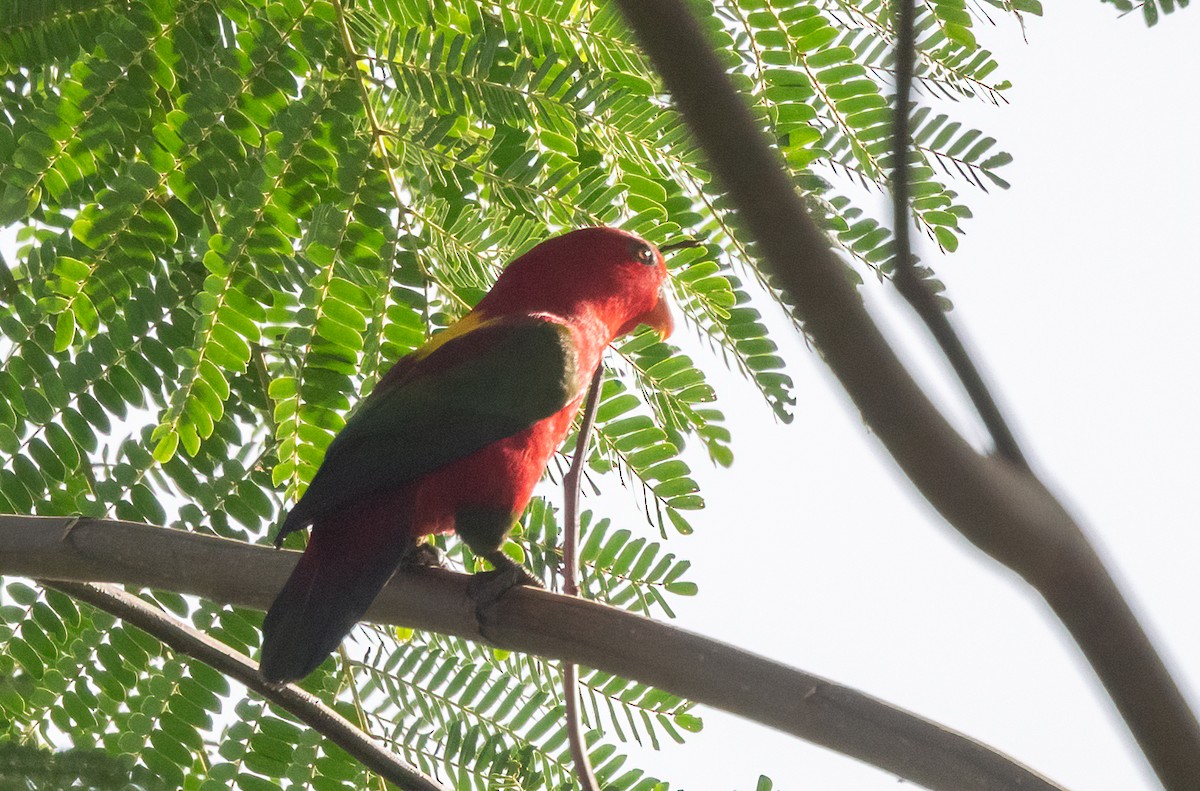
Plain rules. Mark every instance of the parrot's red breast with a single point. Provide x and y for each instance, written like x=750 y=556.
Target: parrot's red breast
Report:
x=457 y=434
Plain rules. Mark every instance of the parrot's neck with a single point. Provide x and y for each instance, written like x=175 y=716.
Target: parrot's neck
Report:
x=598 y=319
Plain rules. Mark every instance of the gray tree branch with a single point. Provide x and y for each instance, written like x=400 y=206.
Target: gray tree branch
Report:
x=915 y=290
x=306 y=707
x=536 y=622
x=999 y=506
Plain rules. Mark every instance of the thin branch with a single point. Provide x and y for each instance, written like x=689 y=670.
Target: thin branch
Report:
x=304 y=706
x=359 y=712
x=571 y=486
x=534 y=622
x=906 y=280
x=905 y=56
x=999 y=506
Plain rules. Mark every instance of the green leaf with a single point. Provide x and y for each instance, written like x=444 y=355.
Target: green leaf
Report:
x=946 y=238
x=64 y=331
x=165 y=449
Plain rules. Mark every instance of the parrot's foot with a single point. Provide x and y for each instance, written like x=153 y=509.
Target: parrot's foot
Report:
x=505 y=565
x=487 y=587
x=422 y=555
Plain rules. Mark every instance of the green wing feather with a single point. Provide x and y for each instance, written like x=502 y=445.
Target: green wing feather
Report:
x=491 y=382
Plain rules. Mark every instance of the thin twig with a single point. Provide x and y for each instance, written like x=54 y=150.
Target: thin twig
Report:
x=905 y=55
x=304 y=706
x=539 y=622
x=998 y=505
x=571 y=487
x=359 y=711
x=914 y=290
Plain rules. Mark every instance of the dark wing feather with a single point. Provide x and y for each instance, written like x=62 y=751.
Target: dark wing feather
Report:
x=493 y=381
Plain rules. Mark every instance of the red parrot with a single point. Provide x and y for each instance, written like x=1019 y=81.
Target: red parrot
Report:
x=456 y=434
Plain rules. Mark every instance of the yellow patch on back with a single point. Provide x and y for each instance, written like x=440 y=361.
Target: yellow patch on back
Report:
x=466 y=324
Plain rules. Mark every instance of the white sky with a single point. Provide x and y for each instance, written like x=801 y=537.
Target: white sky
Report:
x=1078 y=290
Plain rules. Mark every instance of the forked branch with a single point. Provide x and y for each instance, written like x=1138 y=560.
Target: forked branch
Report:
x=997 y=504
x=914 y=290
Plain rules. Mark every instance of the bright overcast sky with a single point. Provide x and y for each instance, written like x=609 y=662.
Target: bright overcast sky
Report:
x=1078 y=289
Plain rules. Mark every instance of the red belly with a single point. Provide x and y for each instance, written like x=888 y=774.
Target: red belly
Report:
x=501 y=476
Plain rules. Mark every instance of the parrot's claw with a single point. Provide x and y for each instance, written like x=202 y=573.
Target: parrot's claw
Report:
x=487 y=587
x=422 y=556
x=505 y=566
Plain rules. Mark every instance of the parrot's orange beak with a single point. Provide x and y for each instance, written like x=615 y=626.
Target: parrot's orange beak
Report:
x=659 y=317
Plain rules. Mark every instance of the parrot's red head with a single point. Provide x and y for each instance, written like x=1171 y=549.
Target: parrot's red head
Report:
x=603 y=273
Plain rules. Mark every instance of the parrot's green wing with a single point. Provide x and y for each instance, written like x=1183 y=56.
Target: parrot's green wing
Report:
x=492 y=381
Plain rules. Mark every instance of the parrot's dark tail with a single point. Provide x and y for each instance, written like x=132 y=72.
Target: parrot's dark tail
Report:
x=346 y=564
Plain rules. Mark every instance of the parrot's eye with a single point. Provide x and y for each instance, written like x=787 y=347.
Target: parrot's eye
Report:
x=644 y=253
